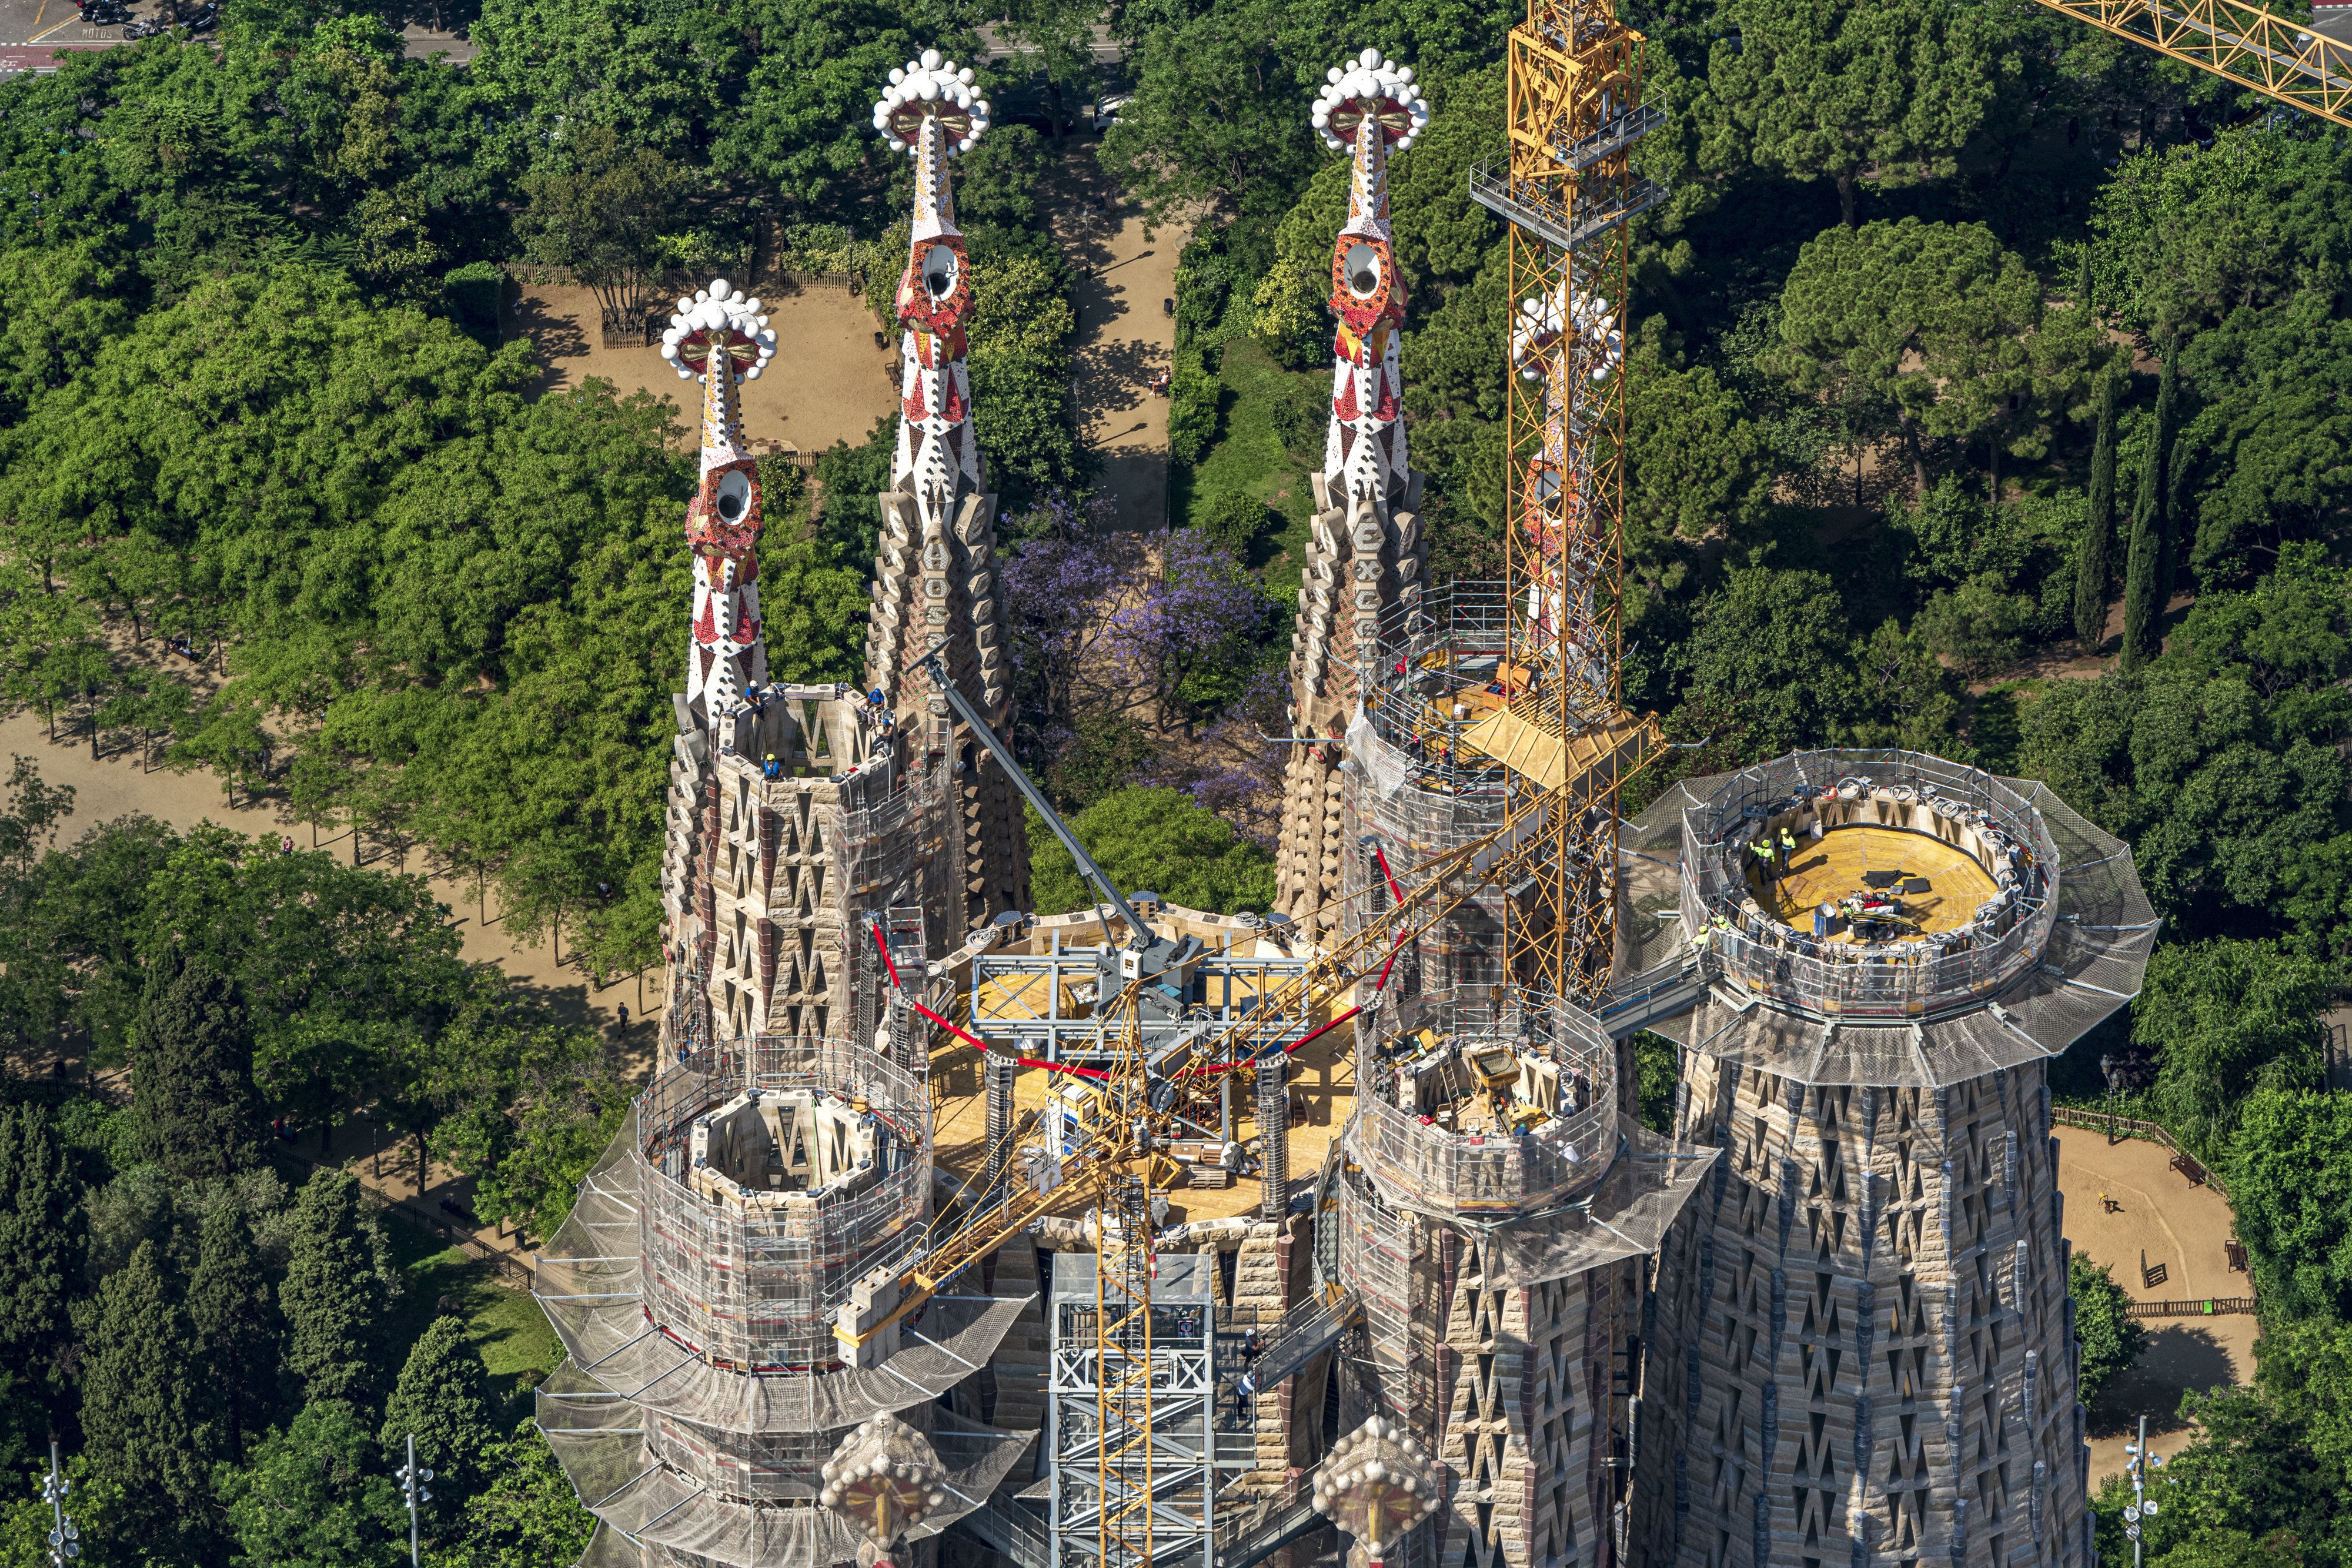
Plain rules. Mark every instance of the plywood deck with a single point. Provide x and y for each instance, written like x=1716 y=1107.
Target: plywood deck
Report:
x=1322 y=1075
x=1828 y=869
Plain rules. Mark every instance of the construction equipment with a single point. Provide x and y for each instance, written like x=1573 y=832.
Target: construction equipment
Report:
x=2245 y=44
x=1157 y=1070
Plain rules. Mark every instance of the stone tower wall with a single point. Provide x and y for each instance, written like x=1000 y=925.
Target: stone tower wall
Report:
x=1864 y=1349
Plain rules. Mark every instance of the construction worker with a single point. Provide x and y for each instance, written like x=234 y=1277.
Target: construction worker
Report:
x=1762 y=845
x=1787 y=846
x=770 y=768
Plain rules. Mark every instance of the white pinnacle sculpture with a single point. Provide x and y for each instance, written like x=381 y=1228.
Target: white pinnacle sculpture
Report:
x=1376 y=1485
x=720 y=337
x=1366 y=558
x=1367 y=109
x=1569 y=341
x=935 y=581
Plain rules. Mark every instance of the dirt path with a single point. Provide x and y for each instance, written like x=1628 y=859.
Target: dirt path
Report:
x=1126 y=334
x=118 y=786
x=2181 y=1230
x=830 y=382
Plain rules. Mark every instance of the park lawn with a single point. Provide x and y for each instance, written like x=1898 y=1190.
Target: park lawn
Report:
x=1250 y=456
x=517 y=1345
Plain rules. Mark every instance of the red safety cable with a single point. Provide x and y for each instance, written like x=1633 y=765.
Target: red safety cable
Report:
x=885 y=947
x=1389 y=877
x=1060 y=1067
x=945 y=1025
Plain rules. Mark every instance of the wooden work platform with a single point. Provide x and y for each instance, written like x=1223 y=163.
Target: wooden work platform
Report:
x=1827 y=869
x=1322 y=1083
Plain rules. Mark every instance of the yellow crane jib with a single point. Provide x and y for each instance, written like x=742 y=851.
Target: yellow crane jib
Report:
x=2257 y=49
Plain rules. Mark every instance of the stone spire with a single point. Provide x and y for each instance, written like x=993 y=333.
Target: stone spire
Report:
x=1366 y=557
x=936 y=580
x=719 y=338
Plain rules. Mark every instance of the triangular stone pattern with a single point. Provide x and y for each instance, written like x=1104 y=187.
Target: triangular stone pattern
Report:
x=1865 y=1351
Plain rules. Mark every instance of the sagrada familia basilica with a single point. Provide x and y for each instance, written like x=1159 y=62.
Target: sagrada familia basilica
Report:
x=1820 y=1318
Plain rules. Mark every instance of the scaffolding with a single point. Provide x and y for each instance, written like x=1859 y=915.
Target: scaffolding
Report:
x=1142 y=1447
x=2068 y=932
x=1482 y=1105
x=757 y=1183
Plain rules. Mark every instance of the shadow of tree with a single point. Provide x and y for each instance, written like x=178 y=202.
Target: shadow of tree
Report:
x=555 y=335
x=2177 y=1358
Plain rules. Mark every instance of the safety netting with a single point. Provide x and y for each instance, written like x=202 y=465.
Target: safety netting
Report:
x=2064 y=943
x=683 y=1516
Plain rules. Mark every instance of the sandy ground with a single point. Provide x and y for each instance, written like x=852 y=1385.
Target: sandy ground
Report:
x=118 y=786
x=2181 y=1228
x=1126 y=334
x=829 y=382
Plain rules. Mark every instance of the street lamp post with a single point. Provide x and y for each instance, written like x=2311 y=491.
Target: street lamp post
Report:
x=2140 y=1507
x=64 y=1540
x=412 y=1486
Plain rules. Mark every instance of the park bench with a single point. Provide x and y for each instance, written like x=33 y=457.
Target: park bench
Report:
x=2189 y=1168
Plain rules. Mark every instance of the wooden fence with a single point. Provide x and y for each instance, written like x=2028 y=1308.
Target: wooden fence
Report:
x=2211 y=1306
x=2130 y=1127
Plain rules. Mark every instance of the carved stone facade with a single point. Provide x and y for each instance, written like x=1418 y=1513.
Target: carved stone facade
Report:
x=1866 y=1348
x=935 y=583
x=1365 y=554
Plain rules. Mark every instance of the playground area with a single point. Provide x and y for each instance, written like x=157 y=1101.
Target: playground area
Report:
x=2164 y=1239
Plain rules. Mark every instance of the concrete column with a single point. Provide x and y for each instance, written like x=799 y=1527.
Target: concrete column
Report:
x=997 y=1081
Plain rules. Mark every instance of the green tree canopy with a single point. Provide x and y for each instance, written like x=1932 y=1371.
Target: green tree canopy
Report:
x=2225 y=1018
x=197 y=1111
x=142 y=1411
x=1846 y=90
x=529 y=1517
x=232 y=1318
x=41 y=1246
x=2112 y=1339
x=2291 y=1190
x=442 y=1401
x=1153 y=840
x=317 y=1495
x=1925 y=329
x=334 y=1297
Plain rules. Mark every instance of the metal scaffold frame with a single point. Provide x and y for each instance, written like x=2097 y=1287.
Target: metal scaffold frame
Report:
x=1567 y=190
x=1145 y=1463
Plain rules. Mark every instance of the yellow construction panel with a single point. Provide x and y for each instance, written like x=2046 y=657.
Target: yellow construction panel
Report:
x=1827 y=869
x=1534 y=752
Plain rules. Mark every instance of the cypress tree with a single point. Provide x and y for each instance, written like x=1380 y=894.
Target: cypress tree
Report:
x=42 y=1243
x=2146 y=590
x=234 y=1319
x=334 y=1302
x=2097 y=564
x=193 y=1077
x=442 y=1400
x=140 y=1412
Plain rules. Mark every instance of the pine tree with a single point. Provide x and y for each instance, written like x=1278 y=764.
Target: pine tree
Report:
x=2097 y=564
x=333 y=1300
x=441 y=1400
x=2146 y=588
x=42 y=1243
x=140 y=1411
x=192 y=1076
x=235 y=1320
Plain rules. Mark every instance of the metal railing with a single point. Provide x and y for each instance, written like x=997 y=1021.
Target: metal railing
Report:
x=1918 y=978
x=1445 y=1172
